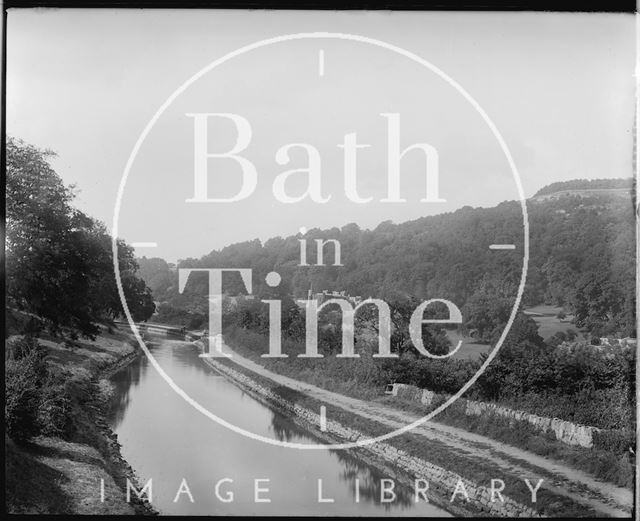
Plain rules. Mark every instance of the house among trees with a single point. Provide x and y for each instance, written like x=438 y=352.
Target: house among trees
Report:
x=325 y=295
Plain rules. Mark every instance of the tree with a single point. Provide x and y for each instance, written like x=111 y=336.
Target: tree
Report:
x=158 y=275
x=582 y=255
x=434 y=338
x=523 y=363
x=58 y=259
x=488 y=309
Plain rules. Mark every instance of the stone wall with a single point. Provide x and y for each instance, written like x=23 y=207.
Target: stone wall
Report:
x=411 y=392
x=566 y=432
x=441 y=480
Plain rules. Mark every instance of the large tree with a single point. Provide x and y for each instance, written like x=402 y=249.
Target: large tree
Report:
x=58 y=260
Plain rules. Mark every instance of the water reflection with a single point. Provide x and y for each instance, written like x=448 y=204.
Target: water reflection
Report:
x=124 y=383
x=167 y=440
x=369 y=479
x=370 y=483
x=282 y=427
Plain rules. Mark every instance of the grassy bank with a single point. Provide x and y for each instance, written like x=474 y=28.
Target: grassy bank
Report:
x=51 y=476
x=615 y=467
x=355 y=378
x=60 y=470
x=476 y=470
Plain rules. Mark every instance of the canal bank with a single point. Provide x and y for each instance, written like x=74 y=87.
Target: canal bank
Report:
x=460 y=461
x=119 y=469
x=446 y=489
x=172 y=446
x=103 y=439
x=74 y=465
x=563 y=491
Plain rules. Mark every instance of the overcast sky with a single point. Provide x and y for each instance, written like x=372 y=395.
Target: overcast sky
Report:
x=559 y=88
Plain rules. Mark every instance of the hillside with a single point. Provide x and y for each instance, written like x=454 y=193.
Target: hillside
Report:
x=582 y=258
x=582 y=265
x=622 y=187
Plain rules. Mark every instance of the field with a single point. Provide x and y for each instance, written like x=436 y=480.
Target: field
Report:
x=548 y=323
x=470 y=350
x=544 y=316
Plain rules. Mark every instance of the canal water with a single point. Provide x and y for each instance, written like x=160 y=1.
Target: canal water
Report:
x=166 y=440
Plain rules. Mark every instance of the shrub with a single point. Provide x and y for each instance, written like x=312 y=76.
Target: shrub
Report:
x=42 y=399
x=25 y=371
x=616 y=441
x=21 y=346
x=196 y=322
x=53 y=409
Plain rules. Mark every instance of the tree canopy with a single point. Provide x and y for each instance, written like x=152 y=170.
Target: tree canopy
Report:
x=58 y=259
x=582 y=257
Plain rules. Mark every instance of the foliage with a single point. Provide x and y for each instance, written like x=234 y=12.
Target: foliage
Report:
x=561 y=336
x=158 y=275
x=522 y=362
x=577 y=382
x=58 y=260
x=168 y=314
x=582 y=257
x=54 y=407
x=586 y=184
x=42 y=397
x=609 y=459
x=487 y=310
x=25 y=372
x=615 y=441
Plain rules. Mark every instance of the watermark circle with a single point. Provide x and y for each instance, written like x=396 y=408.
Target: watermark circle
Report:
x=305 y=36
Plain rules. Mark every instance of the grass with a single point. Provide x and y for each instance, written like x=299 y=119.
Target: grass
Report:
x=545 y=317
x=89 y=354
x=469 y=350
x=545 y=309
x=615 y=468
x=476 y=470
x=32 y=487
x=50 y=476
x=606 y=465
x=54 y=476
x=335 y=374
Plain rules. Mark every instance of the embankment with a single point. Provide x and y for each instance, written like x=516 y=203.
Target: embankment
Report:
x=119 y=469
x=566 y=432
x=63 y=470
x=395 y=462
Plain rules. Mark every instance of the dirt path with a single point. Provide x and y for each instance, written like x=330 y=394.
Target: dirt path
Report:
x=605 y=498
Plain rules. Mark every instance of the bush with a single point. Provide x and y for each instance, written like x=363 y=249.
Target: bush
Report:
x=21 y=346
x=53 y=409
x=197 y=322
x=81 y=395
x=42 y=399
x=616 y=441
x=24 y=373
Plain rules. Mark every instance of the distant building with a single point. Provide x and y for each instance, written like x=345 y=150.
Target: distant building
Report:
x=325 y=295
x=234 y=299
x=618 y=342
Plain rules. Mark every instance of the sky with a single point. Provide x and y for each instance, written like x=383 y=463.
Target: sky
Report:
x=559 y=89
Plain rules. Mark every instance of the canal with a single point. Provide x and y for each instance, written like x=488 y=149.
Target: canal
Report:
x=166 y=440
